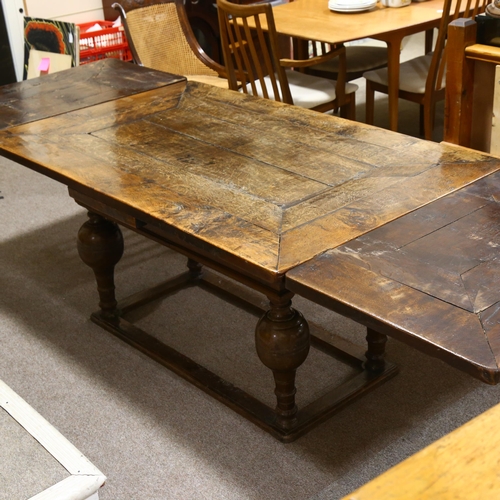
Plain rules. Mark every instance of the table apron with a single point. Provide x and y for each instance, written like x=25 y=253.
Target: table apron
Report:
x=256 y=278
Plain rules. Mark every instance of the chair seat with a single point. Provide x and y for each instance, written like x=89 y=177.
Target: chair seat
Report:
x=359 y=58
x=307 y=91
x=211 y=80
x=412 y=75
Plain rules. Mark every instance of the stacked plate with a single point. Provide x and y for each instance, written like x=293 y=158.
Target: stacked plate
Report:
x=351 y=5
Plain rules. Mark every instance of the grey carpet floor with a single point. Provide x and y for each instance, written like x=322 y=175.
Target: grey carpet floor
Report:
x=151 y=433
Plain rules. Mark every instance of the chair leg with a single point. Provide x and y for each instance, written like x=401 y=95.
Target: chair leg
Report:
x=348 y=110
x=429 y=112
x=421 y=120
x=370 y=103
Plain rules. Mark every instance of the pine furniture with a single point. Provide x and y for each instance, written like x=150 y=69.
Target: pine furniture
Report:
x=461 y=465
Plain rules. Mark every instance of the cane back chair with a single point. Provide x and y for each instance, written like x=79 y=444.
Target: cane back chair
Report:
x=160 y=37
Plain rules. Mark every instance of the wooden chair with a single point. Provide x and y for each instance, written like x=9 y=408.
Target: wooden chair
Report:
x=422 y=79
x=254 y=66
x=161 y=38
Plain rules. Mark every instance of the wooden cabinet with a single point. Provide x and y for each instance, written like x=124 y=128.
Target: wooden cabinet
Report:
x=202 y=15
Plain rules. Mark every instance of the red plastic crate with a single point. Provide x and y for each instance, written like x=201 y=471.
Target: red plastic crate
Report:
x=107 y=42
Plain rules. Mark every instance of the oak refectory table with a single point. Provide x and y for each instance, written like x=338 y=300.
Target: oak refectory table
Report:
x=247 y=187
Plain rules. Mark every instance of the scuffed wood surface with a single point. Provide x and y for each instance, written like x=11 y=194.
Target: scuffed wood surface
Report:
x=249 y=183
x=462 y=465
x=76 y=88
x=430 y=278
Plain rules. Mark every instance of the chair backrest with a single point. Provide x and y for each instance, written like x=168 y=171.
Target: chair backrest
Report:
x=159 y=38
x=252 y=54
x=452 y=9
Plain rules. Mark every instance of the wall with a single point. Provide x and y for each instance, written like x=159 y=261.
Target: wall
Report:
x=75 y=11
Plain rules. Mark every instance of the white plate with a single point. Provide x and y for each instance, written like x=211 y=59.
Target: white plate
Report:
x=344 y=6
x=352 y=5
x=337 y=8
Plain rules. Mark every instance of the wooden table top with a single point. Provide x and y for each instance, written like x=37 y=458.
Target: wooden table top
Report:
x=430 y=279
x=460 y=466
x=313 y=20
x=257 y=185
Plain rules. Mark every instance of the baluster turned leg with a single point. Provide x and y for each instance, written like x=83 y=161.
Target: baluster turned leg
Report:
x=376 y=350
x=100 y=245
x=282 y=341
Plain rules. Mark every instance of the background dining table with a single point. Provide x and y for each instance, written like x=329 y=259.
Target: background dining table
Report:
x=313 y=20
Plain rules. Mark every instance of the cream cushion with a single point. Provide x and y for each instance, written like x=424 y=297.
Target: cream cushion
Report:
x=412 y=75
x=307 y=91
x=211 y=80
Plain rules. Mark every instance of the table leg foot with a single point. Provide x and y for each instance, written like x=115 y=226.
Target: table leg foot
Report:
x=195 y=269
x=100 y=246
x=376 y=350
x=282 y=341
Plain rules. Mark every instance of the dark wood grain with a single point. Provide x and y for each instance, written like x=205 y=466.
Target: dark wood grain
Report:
x=76 y=88
x=430 y=278
x=289 y=183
